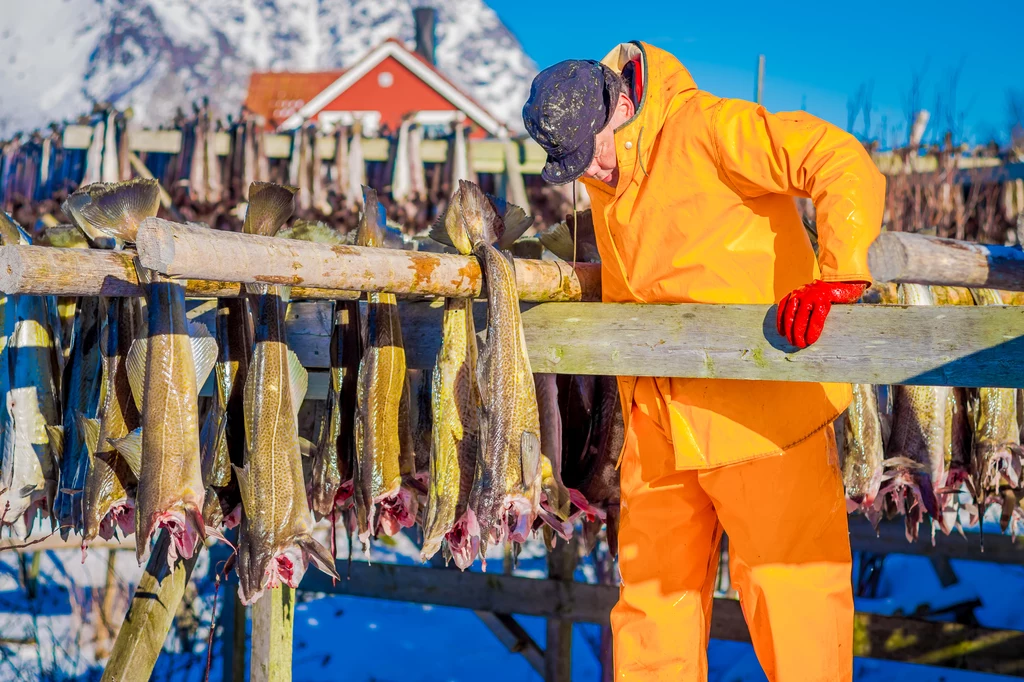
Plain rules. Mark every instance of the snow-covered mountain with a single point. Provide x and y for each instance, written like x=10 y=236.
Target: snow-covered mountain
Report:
x=57 y=57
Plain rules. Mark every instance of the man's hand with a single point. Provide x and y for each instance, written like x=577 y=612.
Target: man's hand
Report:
x=802 y=312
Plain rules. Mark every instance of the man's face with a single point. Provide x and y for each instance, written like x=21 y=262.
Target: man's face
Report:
x=605 y=167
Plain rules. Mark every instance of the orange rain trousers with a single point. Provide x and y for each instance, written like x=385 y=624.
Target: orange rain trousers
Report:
x=789 y=559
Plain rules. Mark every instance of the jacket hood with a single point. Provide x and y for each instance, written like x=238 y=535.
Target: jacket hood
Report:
x=667 y=84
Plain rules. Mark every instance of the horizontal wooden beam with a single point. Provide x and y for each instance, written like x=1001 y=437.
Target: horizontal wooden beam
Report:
x=187 y=251
x=891 y=539
x=871 y=344
x=96 y=272
x=485 y=156
x=882 y=637
x=921 y=259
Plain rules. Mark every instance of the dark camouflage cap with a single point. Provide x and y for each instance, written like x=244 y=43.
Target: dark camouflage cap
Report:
x=567 y=108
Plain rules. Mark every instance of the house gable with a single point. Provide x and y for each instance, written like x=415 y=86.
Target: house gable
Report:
x=425 y=86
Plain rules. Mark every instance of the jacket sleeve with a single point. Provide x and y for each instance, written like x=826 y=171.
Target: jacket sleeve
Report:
x=798 y=154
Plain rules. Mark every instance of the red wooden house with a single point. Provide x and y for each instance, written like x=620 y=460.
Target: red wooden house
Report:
x=387 y=84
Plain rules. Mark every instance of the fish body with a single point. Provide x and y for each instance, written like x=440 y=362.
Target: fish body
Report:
x=334 y=454
x=275 y=541
x=30 y=363
x=454 y=436
x=165 y=369
x=555 y=498
x=862 y=466
x=222 y=435
x=384 y=454
x=28 y=473
x=109 y=500
x=996 y=455
x=80 y=395
x=505 y=498
x=275 y=544
x=330 y=467
x=915 y=467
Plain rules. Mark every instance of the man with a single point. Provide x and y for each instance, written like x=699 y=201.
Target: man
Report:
x=692 y=201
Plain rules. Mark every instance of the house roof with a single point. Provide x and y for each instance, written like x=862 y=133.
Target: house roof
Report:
x=419 y=66
x=277 y=96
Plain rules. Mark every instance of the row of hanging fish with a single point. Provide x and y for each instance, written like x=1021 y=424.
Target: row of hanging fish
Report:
x=103 y=431
x=936 y=451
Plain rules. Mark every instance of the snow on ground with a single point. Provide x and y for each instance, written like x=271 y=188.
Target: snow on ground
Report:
x=381 y=641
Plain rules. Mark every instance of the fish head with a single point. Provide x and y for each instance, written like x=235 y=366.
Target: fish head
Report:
x=463 y=540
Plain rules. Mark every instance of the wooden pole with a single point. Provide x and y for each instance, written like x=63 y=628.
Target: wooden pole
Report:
x=150 y=615
x=921 y=259
x=558 y=650
x=759 y=88
x=97 y=272
x=187 y=251
x=273 y=617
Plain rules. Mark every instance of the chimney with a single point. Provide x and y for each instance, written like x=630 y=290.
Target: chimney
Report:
x=424 y=19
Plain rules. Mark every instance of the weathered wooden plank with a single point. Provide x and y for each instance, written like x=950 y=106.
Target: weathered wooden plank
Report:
x=949 y=645
x=273 y=618
x=943 y=345
x=891 y=539
x=884 y=637
x=96 y=272
x=158 y=141
x=946 y=345
x=150 y=615
x=558 y=649
x=76 y=137
x=180 y=250
x=921 y=259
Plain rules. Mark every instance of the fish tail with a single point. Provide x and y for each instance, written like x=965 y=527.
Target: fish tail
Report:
x=258 y=288
x=439 y=228
x=558 y=240
x=312 y=231
x=373 y=222
x=11 y=232
x=480 y=221
x=270 y=205
x=318 y=554
x=514 y=224
x=115 y=209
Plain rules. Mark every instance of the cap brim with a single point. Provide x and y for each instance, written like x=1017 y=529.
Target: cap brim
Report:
x=570 y=167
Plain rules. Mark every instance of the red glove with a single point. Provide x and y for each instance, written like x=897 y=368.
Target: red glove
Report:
x=802 y=312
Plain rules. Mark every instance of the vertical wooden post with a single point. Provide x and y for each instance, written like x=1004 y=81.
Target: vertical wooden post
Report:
x=515 y=190
x=150 y=615
x=232 y=622
x=607 y=574
x=272 y=619
x=558 y=652
x=759 y=90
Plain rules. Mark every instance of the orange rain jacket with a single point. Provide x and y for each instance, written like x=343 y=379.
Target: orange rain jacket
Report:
x=704 y=212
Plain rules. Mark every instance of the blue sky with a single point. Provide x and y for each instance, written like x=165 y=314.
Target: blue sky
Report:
x=817 y=54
